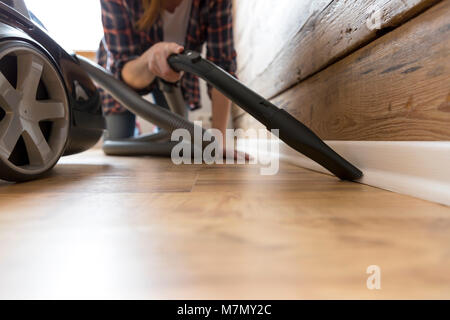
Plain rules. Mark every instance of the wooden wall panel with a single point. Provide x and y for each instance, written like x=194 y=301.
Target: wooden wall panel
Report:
x=396 y=88
x=282 y=43
x=264 y=28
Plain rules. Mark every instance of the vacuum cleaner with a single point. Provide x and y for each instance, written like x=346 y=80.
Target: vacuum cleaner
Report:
x=291 y=131
x=49 y=107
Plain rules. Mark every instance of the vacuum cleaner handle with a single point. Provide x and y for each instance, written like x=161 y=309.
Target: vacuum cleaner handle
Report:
x=291 y=131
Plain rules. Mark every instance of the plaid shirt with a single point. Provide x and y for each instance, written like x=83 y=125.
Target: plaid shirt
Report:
x=210 y=21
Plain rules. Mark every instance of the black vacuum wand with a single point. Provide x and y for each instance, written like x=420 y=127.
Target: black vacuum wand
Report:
x=291 y=131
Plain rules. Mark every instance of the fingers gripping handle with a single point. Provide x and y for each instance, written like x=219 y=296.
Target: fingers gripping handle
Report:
x=291 y=131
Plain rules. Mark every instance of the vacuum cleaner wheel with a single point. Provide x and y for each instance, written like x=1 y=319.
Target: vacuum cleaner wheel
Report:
x=34 y=112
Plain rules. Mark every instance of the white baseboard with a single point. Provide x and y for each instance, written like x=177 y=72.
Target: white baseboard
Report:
x=419 y=169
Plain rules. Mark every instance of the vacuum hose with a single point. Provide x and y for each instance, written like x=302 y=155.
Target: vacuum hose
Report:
x=291 y=131
x=163 y=118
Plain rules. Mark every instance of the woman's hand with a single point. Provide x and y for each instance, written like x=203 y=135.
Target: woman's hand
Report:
x=156 y=60
x=139 y=73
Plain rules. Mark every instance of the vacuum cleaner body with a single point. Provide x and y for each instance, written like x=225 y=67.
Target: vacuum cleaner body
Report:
x=49 y=106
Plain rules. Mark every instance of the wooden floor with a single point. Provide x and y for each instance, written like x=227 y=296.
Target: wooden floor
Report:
x=105 y=227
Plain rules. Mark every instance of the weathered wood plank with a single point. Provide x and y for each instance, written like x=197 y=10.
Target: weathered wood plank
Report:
x=283 y=44
x=396 y=88
x=263 y=28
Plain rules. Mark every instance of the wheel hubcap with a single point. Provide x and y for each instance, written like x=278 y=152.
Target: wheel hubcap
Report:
x=24 y=112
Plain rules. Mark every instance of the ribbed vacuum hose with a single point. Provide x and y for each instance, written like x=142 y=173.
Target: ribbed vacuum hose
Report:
x=157 y=115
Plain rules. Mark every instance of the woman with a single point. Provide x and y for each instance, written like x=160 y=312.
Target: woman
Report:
x=141 y=34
